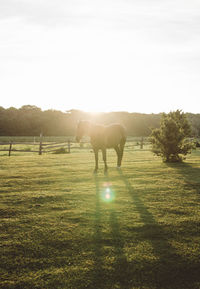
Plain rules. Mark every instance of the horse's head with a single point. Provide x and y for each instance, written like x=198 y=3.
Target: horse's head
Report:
x=82 y=129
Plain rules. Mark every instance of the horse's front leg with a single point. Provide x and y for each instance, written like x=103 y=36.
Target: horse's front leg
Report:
x=96 y=160
x=104 y=159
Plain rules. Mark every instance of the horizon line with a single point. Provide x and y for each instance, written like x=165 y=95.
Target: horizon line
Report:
x=93 y=111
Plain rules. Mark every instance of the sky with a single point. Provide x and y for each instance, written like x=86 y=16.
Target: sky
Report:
x=107 y=55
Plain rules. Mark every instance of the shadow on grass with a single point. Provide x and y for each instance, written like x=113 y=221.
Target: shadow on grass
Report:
x=169 y=270
x=108 y=276
x=190 y=173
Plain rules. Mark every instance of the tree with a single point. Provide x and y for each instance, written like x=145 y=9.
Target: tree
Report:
x=170 y=141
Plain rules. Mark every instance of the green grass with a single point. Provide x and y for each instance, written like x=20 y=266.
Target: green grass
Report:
x=57 y=232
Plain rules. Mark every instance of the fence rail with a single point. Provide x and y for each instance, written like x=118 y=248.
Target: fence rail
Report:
x=44 y=147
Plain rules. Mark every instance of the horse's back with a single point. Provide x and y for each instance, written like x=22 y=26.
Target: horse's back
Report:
x=115 y=134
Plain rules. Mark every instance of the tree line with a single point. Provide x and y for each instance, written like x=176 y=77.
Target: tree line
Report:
x=30 y=120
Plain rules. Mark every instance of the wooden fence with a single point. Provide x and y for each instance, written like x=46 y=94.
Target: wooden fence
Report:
x=38 y=147
x=55 y=147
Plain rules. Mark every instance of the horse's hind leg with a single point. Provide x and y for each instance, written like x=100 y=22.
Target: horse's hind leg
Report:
x=121 y=147
x=117 y=149
x=104 y=159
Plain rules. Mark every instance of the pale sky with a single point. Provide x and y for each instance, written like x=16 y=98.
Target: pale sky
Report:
x=106 y=55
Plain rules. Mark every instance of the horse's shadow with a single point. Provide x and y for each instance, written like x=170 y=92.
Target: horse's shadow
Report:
x=190 y=173
x=168 y=270
x=103 y=278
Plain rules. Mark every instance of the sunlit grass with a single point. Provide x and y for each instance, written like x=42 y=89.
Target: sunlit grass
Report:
x=63 y=227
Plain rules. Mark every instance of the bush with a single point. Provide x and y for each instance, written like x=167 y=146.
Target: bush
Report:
x=170 y=140
x=197 y=144
x=27 y=149
x=60 y=151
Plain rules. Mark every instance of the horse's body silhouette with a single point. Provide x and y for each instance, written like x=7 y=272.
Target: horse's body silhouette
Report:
x=103 y=137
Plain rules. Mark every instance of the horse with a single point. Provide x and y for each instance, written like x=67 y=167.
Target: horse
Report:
x=103 y=137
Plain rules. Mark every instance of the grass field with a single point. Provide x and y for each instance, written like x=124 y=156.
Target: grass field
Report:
x=63 y=227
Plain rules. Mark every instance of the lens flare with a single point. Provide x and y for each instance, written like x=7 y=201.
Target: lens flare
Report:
x=107 y=196
x=107 y=193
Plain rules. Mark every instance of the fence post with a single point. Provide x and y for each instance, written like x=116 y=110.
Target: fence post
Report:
x=69 y=146
x=142 y=143
x=40 y=145
x=10 y=149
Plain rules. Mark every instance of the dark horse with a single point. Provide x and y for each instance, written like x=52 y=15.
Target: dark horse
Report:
x=103 y=137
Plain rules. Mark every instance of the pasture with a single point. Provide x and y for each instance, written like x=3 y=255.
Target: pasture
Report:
x=134 y=228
